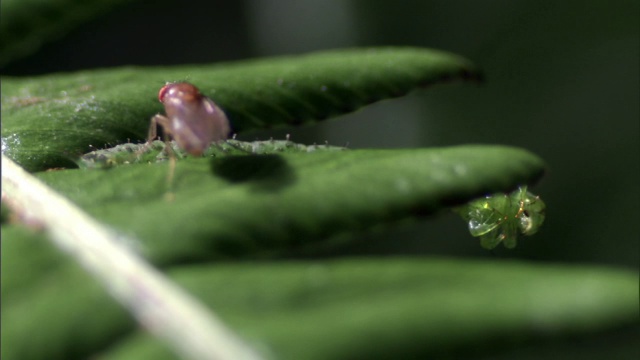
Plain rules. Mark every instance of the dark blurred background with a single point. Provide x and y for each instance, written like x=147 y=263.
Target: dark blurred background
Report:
x=561 y=80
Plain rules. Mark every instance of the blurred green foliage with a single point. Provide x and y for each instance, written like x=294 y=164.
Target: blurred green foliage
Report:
x=562 y=81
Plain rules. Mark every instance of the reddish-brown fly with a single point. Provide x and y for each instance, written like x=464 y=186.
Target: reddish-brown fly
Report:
x=193 y=120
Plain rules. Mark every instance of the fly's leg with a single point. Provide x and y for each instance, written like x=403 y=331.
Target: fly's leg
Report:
x=153 y=132
x=172 y=164
x=165 y=122
x=169 y=196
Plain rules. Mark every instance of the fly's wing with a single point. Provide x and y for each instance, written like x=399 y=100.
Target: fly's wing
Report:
x=217 y=123
x=184 y=115
x=196 y=123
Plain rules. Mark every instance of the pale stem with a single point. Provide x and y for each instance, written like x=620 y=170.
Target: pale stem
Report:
x=164 y=309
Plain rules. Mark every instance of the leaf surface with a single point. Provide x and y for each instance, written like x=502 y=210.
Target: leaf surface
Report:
x=376 y=308
x=51 y=120
x=247 y=205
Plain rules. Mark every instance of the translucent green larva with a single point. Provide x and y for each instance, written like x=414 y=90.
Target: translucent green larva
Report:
x=500 y=218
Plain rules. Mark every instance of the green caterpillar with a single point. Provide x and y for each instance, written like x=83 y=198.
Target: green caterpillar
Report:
x=500 y=218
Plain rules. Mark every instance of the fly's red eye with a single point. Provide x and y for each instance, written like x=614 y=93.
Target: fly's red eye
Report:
x=163 y=91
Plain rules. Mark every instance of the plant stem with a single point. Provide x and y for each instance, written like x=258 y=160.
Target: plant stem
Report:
x=158 y=304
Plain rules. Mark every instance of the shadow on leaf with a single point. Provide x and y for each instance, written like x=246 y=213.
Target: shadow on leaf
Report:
x=263 y=172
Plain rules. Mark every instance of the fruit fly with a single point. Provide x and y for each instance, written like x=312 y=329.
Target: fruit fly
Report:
x=193 y=120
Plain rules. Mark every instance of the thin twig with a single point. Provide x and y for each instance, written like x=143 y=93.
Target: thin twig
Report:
x=159 y=305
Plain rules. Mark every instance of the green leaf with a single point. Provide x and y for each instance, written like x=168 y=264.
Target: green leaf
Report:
x=385 y=308
x=242 y=204
x=49 y=121
x=25 y=25
x=255 y=204
x=41 y=298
